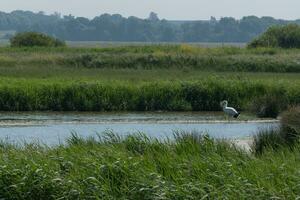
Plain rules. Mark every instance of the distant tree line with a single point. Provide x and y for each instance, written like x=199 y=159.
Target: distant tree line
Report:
x=108 y=27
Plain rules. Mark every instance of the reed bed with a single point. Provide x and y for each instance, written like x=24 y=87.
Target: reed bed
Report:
x=148 y=96
x=188 y=166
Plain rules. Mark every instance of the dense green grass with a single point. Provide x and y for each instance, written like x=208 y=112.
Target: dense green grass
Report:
x=161 y=62
x=137 y=167
x=22 y=95
x=156 y=57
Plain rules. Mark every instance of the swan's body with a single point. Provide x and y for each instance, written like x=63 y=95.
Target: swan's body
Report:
x=229 y=110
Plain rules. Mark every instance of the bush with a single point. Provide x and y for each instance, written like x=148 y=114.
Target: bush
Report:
x=268 y=105
x=287 y=36
x=33 y=39
x=290 y=125
x=287 y=134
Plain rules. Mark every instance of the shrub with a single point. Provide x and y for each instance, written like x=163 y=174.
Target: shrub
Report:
x=287 y=36
x=268 y=105
x=290 y=125
x=33 y=39
x=286 y=135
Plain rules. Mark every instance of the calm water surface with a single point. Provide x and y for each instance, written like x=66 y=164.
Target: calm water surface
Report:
x=55 y=128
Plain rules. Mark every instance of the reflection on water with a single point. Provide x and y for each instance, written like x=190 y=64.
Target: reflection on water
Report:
x=55 y=128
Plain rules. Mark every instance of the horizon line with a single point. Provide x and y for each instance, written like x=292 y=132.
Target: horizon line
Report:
x=90 y=18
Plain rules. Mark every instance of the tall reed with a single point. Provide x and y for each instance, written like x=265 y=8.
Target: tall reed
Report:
x=189 y=166
x=121 y=96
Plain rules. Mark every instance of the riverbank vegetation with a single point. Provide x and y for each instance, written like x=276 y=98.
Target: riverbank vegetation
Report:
x=188 y=166
x=202 y=95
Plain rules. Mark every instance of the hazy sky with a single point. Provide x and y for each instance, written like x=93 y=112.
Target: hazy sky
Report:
x=168 y=9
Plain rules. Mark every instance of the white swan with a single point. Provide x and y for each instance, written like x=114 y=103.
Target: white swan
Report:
x=229 y=110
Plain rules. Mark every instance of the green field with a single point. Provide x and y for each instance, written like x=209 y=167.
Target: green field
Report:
x=183 y=57
x=146 y=78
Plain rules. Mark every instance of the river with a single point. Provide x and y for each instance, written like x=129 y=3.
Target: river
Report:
x=54 y=128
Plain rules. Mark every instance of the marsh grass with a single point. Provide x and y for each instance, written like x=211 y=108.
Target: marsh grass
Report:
x=268 y=139
x=37 y=95
x=157 y=57
x=146 y=78
x=188 y=166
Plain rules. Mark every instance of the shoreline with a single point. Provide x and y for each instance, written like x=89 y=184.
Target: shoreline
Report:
x=17 y=122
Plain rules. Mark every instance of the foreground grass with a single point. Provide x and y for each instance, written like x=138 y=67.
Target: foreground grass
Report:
x=136 y=167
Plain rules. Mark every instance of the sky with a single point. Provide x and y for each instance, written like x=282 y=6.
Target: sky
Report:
x=167 y=9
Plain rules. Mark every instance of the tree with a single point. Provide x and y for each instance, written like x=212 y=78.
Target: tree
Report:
x=32 y=39
x=153 y=17
x=108 y=27
x=287 y=36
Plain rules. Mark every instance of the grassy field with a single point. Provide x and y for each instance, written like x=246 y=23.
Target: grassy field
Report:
x=146 y=78
x=184 y=57
x=137 y=167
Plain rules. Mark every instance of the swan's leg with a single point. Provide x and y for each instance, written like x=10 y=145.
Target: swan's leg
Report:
x=226 y=117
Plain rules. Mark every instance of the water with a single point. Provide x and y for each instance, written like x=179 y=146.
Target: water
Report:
x=109 y=44
x=104 y=44
x=55 y=128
